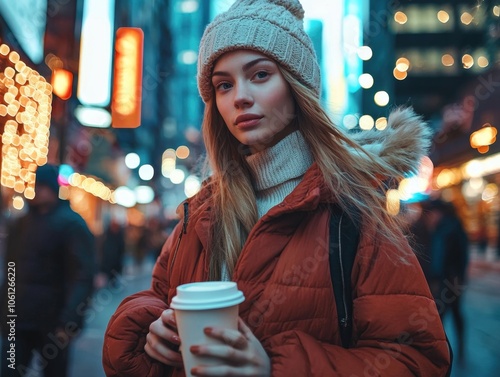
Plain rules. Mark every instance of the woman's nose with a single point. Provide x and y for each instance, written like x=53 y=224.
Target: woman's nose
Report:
x=243 y=96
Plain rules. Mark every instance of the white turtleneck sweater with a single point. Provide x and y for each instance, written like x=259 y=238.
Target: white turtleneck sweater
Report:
x=277 y=170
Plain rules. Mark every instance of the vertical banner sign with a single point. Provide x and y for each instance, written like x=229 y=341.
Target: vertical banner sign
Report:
x=127 y=81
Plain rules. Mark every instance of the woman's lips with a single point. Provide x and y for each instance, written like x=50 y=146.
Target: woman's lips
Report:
x=248 y=123
x=247 y=120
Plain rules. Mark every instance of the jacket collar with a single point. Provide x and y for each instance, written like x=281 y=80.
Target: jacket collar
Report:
x=309 y=193
x=307 y=196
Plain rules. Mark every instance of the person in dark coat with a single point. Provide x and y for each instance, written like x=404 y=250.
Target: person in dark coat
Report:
x=50 y=256
x=112 y=250
x=448 y=250
x=420 y=238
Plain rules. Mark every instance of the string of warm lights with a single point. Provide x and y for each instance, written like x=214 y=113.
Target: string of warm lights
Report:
x=92 y=186
x=26 y=104
x=27 y=101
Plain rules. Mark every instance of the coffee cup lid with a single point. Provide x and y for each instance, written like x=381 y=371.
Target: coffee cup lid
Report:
x=207 y=295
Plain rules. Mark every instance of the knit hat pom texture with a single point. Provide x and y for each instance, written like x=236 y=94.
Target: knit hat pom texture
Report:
x=293 y=6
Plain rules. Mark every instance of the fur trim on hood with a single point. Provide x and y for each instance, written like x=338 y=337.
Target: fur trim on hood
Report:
x=402 y=144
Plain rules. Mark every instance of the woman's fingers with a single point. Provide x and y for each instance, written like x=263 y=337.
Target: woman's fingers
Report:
x=231 y=355
x=232 y=351
x=244 y=329
x=160 y=328
x=163 y=354
x=162 y=341
x=168 y=317
x=221 y=371
x=240 y=353
x=230 y=337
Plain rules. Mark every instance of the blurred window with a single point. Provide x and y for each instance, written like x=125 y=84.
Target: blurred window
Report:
x=423 y=19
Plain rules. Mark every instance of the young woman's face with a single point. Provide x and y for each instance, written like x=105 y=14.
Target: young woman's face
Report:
x=253 y=98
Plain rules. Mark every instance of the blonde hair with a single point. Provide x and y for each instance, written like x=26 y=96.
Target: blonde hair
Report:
x=350 y=173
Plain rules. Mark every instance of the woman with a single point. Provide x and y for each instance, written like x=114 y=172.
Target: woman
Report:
x=262 y=218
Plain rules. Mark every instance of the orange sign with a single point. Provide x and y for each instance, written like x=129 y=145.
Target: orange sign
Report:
x=62 y=83
x=127 y=82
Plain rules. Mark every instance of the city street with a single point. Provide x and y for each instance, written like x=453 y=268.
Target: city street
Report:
x=86 y=353
x=243 y=127
x=481 y=304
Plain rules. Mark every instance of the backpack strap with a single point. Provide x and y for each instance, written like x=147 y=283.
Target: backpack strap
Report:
x=344 y=239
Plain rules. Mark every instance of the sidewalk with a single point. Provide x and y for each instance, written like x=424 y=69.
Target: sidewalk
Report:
x=481 y=309
x=87 y=349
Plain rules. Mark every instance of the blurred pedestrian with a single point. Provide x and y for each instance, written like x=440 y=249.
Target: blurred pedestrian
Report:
x=279 y=168
x=111 y=253
x=156 y=237
x=448 y=255
x=420 y=237
x=138 y=243
x=51 y=257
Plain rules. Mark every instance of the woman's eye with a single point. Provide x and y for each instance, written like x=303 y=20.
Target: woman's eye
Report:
x=223 y=86
x=261 y=74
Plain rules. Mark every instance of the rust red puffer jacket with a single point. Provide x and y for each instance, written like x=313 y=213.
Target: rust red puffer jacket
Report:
x=284 y=273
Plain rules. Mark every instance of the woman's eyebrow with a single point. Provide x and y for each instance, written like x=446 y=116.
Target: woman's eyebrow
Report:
x=245 y=67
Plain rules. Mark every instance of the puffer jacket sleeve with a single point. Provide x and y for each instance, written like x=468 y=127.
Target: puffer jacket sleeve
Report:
x=396 y=329
x=125 y=337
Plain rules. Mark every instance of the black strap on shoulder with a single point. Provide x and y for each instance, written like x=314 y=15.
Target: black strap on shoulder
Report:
x=344 y=239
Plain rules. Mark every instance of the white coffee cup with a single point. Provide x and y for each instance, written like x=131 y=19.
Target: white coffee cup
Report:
x=200 y=305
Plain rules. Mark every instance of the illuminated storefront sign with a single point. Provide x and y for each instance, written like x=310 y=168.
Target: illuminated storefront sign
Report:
x=96 y=52
x=127 y=84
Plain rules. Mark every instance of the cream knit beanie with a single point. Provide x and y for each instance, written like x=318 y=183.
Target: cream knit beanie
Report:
x=272 y=27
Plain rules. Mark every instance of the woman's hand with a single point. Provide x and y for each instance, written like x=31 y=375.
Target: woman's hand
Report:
x=162 y=341
x=240 y=355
